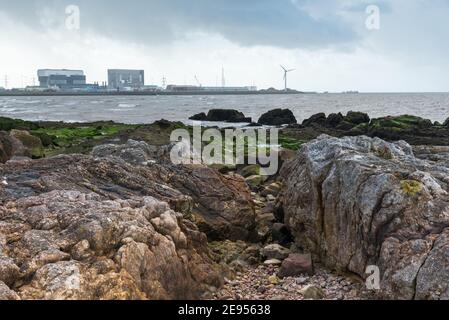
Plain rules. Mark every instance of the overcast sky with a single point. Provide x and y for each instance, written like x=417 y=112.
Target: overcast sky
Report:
x=326 y=41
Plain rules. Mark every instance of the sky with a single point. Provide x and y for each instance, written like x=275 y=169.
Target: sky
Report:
x=333 y=45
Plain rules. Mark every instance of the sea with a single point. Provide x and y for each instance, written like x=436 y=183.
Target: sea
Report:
x=147 y=109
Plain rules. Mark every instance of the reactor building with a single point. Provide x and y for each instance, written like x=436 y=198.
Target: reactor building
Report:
x=123 y=79
x=61 y=78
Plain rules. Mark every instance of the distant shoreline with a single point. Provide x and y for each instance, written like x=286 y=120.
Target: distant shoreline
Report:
x=192 y=93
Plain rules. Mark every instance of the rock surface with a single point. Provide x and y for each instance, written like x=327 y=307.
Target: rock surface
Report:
x=412 y=129
x=222 y=115
x=24 y=144
x=74 y=245
x=6 y=293
x=221 y=205
x=278 y=117
x=357 y=201
x=18 y=143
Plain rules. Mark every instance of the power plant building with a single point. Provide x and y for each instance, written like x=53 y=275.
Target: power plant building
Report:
x=126 y=79
x=61 y=78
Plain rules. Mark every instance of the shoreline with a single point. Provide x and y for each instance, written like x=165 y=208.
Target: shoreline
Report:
x=192 y=93
x=69 y=137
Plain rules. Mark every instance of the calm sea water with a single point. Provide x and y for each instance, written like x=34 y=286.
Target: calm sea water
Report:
x=146 y=109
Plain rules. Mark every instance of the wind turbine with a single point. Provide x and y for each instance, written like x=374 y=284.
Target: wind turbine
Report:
x=285 y=75
x=198 y=81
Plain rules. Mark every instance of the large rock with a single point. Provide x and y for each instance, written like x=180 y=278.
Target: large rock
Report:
x=74 y=245
x=24 y=144
x=278 y=117
x=415 y=130
x=312 y=292
x=295 y=265
x=227 y=116
x=334 y=119
x=222 y=115
x=316 y=119
x=221 y=205
x=446 y=123
x=412 y=129
x=357 y=118
x=358 y=201
x=275 y=251
x=199 y=117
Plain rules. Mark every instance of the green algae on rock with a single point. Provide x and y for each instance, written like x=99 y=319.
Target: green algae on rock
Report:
x=411 y=187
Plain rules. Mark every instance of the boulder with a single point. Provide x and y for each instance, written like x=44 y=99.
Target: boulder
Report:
x=357 y=118
x=281 y=234
x=255 y=181
x=317 y=119
x=199 y=117
x=227 y=115
x=251 y=254
x=275 y=251
x=79 y=246
x=357 y=201
x=446 y=123
x=278 y=117
x=251 y=170
x=414 y=130
x=312 y=292
x=295 y=265
x=24 y=144
x=403 y=127
x=334 y=119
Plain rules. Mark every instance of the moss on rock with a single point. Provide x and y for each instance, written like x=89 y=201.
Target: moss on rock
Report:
x=411 y=187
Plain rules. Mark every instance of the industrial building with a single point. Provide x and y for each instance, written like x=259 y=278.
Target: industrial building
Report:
x=61 y=78
x=122 y=79
x=195 y=89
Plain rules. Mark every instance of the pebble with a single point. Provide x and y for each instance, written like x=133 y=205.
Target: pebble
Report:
x=273 y=279
x=301 y=280
x=261 y=283
x=273 y=262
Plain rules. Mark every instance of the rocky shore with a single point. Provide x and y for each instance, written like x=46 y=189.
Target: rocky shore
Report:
x=98 y=211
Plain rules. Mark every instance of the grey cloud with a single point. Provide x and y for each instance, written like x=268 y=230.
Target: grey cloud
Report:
x=280 y=23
